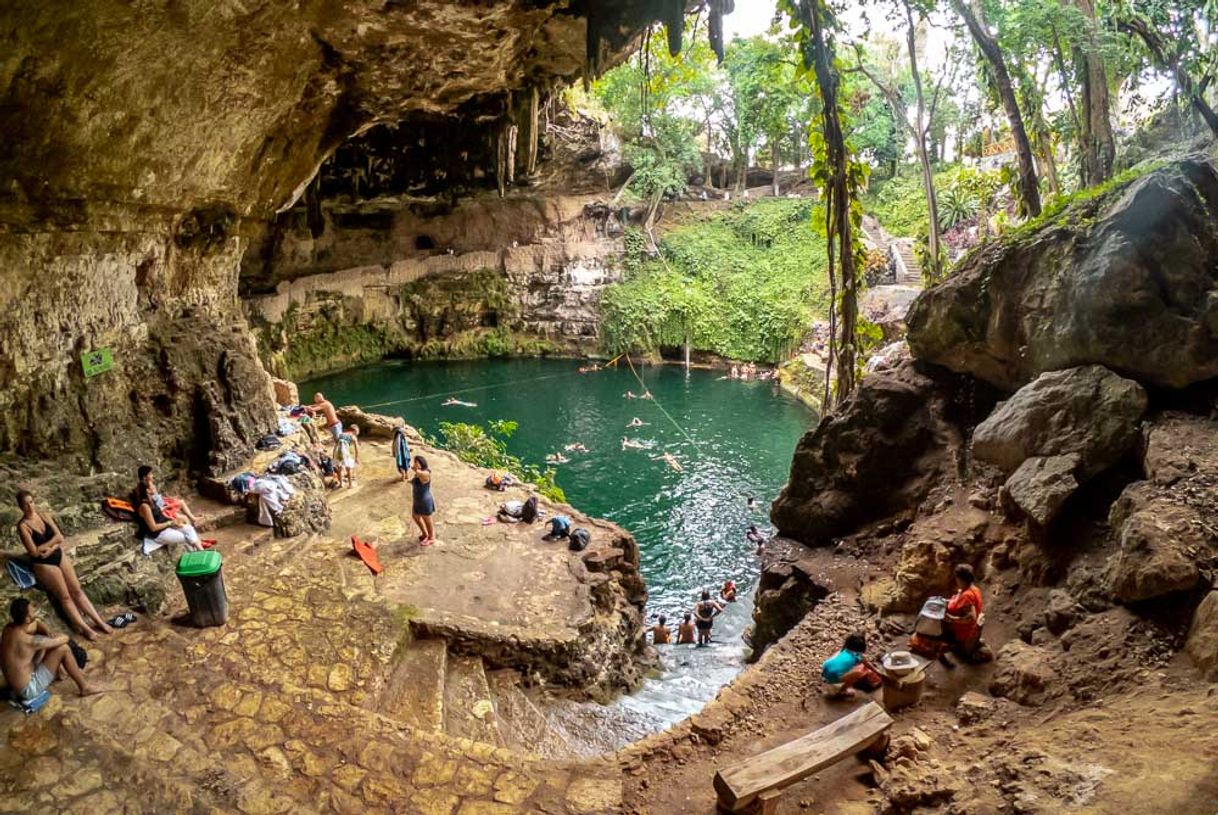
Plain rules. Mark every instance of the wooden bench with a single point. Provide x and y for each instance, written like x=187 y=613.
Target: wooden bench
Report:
x=761 y=778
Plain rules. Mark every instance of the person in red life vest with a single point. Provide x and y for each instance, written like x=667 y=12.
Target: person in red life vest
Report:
x=964 y=617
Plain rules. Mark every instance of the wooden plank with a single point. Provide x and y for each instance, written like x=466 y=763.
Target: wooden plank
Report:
x=741 y=783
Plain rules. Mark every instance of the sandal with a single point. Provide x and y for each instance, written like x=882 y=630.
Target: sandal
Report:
x=426 y=542
x=119 y=621
x=206 y=543
x=129 y=617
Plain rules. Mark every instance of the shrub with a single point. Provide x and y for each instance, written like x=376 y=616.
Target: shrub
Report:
x=487 y=447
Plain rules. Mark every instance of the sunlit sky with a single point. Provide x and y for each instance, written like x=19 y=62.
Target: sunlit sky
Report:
x=750 y=17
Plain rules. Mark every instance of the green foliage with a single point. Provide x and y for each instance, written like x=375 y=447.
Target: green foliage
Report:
x=956 y=206
x=487 y=447
x=900 y=203
x=744 y=284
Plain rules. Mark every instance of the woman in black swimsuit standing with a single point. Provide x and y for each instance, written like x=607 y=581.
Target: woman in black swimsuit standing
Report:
x=44 y=543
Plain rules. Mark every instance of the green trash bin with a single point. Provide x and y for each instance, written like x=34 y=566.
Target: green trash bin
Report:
x=203 y=583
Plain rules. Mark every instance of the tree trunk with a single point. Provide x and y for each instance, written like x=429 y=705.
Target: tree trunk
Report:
x=1169 y=62
x=1097 y=142
x=1044 y=143
x=920 y=132
x=774 y=165
x=1029 y=189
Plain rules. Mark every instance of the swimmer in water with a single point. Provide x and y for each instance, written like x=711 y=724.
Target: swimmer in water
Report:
x=671 y=461
x=755 y=537
x=728 y=592
x=452 y=400
x=576 y=447
x=636 y=422
x=630 y=395
x=633 y=444
x=556 y=458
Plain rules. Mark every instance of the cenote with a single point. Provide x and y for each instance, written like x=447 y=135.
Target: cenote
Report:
x=733 y=439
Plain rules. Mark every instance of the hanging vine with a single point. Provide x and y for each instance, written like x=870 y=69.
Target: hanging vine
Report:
x=841 y=179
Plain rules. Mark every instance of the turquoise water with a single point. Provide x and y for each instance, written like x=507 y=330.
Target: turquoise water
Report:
x=733 y=439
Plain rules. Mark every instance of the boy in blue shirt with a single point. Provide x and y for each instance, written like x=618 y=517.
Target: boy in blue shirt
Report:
x=849 y=668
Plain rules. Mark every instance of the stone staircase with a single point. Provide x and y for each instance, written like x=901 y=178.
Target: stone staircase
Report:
x=435 y=691
x=909 y=273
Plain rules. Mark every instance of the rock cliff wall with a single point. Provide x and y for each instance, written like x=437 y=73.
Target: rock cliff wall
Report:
x=487 y=276
x=146 y=144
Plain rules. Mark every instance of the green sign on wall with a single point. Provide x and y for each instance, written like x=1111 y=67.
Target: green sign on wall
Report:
x=97 y=362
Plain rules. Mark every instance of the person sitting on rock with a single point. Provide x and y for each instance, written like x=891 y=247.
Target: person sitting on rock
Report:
x=44 y=544
x=31 y=656
x=153 y=525
x=849 y=668
x=705 y=613
x=685 y=631
x=965 y=617
x=171 y=507
x=660 y=633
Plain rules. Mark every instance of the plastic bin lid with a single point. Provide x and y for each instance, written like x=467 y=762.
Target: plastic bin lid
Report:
x=199 y=564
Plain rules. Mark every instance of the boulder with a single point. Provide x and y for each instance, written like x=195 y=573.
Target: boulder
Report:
x=788 y=590
x=974 y=707
x=286 y=392
x=1042 y=484
x=1125 y=280
x=375 y=425
x=1023 y=673
x=1160 y=540
x=305 y=512
x=1202 y=644
x=1088 y=411
x=874 y=456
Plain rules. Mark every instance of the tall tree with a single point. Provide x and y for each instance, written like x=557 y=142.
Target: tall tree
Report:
x=841 y=179
x=1029 y=187
x=916 y=125
x=1095 y=125
x=1168 y=29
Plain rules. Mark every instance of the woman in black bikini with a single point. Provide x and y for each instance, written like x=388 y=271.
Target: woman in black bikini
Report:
x=44 y=543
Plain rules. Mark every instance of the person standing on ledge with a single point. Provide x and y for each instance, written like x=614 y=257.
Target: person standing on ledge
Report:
x=31 y=656
x=326 y=409
x=423 y=506
x=706 y=611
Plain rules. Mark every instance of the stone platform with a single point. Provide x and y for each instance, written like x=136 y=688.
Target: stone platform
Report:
x=330 y=690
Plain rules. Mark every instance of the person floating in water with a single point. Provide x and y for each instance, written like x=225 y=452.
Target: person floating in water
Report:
x=660 y=633
x=633 y=444
x=685 y=631
x=755 y=537
x=671 y=461
x=705 y=613
x=452 y=400
x=556 y=458
x=587 y=369
x=636 y=422
x=728 y=592
x=752 y=501
x=576 y=447
x=646 y=395
x=630 y=395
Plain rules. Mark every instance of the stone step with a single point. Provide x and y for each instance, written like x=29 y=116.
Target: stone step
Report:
x=522 y=724
x=466 y=695
x=414 y=694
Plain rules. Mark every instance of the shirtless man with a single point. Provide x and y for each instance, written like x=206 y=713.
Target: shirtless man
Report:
x=685 y=631
x=660 y=633
x=326 y=409
x=31 y=656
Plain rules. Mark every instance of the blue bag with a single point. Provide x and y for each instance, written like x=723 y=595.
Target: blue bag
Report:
x=21 y=574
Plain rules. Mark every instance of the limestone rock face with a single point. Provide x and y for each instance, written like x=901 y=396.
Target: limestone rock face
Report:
x=872 y=457
x=1202 y=644
x=788 y=590
x=305 y=512
x=1126 y=281
x=143 y=144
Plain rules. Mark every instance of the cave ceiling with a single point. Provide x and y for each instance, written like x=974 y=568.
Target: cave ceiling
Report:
x=115 y=106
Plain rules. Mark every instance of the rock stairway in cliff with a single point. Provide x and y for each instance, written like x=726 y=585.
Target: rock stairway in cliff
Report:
x=435 y=691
